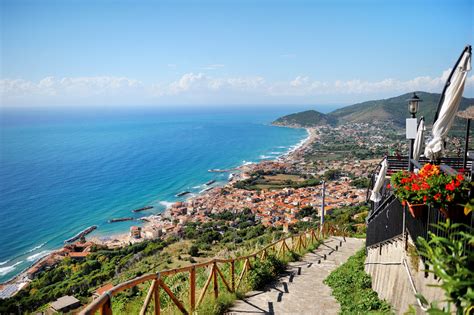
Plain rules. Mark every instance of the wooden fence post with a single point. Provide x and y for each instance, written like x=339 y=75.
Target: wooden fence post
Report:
x=232 y=274
x=216 y=285
x=157 y=297
x=192 y=288
x=106 y=309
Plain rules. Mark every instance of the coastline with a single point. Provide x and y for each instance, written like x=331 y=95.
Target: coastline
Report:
x=291 y=155
x=123 y=239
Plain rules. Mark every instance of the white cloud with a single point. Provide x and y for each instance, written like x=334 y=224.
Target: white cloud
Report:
x=202 y=88
x=304 y=86
x=200 y=82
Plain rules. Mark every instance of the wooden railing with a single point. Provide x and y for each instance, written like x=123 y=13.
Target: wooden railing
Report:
x=280 y=248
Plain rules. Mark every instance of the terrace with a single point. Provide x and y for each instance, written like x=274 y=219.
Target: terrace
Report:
x=414 y=196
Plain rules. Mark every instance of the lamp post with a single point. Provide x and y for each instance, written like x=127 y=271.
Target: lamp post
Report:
x=413 y=104
x=323 y=196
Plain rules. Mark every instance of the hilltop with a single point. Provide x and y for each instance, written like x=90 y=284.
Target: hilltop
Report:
x=394 y=110
x=309 y=118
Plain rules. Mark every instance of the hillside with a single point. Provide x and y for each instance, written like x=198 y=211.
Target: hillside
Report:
x=394 y=110
x=307 y=118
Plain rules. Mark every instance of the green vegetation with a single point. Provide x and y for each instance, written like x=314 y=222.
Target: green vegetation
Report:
x=351 y=286
x=350 y=218
x=261 y=273
x=309 y=118
x=80 y=278
x=265 y=271
x=451 y=259
x=227 y=234
x=226 y=228
x=394 y=109
x=270 y=180
x=361 y=182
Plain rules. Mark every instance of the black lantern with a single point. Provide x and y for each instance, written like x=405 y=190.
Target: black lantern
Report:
x=413 y=103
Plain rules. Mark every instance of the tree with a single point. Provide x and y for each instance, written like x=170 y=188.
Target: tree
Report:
x=331 y=174
x=193 y=251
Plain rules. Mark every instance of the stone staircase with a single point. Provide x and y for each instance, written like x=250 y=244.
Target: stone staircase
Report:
x=301 y=290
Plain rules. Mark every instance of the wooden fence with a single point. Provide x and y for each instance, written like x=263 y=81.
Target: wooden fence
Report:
x=280 y=248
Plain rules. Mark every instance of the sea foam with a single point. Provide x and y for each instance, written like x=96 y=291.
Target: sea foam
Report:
x=8 y=269
x=36 y=247
x=167 y=204
x=38 y=255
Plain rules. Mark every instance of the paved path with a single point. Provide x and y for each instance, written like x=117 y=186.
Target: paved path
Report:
x=301 y=290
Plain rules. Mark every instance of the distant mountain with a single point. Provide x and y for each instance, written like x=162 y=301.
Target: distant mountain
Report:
x=309 y=118
x=393 y=110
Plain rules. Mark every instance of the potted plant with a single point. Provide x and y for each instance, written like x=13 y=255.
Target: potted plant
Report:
x=431 y=187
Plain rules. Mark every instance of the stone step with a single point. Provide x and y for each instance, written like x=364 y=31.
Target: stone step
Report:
x=301 y=290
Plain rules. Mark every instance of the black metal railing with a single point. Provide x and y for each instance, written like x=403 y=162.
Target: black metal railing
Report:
x=399 y=163
x=421 y=226
x=388 y=219
x=385 y=223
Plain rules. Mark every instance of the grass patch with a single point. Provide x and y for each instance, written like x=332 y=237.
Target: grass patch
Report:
x=351 y=286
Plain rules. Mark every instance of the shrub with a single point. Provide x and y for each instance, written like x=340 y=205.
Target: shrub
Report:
x=193 y=251
x=451 y=259
x=351 y=286
x=265 y=271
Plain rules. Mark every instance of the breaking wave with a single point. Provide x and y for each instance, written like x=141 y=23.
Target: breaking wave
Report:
x=36 y=247
x=38 y=255
x=8 y=269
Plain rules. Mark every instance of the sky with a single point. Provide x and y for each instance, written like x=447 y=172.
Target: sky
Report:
x=158 y=53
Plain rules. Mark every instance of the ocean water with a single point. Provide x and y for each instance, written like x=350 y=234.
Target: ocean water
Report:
x=62 y=171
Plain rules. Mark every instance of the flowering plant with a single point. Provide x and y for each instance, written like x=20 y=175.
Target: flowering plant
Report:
x=430 y=186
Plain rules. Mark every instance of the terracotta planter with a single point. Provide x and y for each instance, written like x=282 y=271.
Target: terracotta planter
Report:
x=416 y=210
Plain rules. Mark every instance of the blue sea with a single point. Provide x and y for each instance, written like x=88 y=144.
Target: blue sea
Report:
x=63 y=170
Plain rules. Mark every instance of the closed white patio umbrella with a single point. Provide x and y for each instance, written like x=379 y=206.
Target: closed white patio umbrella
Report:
x=419 y=140
x=375 y=195
x=448 y=105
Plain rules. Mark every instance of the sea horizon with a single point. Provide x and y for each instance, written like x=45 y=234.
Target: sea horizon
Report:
x=63 y=169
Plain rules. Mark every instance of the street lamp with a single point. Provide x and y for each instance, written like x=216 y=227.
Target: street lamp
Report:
x=412 y=125
x=413 y=103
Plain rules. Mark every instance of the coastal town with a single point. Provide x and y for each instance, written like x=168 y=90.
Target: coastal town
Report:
x=271 y=206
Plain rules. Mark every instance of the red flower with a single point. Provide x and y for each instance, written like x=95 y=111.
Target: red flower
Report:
x=450 y=186
x=437 y=196
x=425 y=185
x=425 y=198
x=415 y=187
x=388 y=186
x=405 y=180
x=457 y=183
x=460 y=177
x=407 y=187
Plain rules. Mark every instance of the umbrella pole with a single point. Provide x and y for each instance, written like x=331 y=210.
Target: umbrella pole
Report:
x=466 y=144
